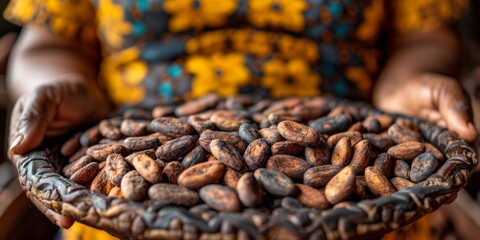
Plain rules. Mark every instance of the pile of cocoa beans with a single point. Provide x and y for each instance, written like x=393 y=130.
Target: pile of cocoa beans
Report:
x=236 y=153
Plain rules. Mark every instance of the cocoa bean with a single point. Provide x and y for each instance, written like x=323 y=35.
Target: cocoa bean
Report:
x=176 y=148
x=319 y=176
x=195 y=156
x=85 y=174
x=331 y=124
x=342 y=153
x=275 y=183
x=201 y=175
x=298 y=133
x=289 y=165
x=423 y=166
x=257 y=154
x=311 y=197
x=133 y=128
x=116 y=167
x=173 y=194
x=147 y=168
x=220 y=198
x=378 y=183
x=286 y=147
x=249 y=191
x=228 y=154
x=172 y=127
x=134 y=187
x=341 y=186
x=171 y=172
x=406 y=150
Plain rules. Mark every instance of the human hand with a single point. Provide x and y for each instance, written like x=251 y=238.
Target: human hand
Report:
x=49 y=111
x=437 y=98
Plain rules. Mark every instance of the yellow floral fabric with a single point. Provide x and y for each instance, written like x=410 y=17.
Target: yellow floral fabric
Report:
x=166 y=50
x=198 y=14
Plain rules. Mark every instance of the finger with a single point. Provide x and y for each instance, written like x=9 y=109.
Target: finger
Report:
x=454 y=106
x=38 y=111
x=55 y=218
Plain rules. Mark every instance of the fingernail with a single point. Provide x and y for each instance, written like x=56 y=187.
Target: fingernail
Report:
x=18 y=139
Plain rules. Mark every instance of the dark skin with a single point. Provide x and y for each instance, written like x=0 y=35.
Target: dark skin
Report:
x=59 y=91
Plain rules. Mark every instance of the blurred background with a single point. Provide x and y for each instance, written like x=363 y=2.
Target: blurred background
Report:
x=16 y=211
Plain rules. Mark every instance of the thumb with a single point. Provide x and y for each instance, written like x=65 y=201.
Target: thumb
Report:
x=31 y=118
x=454 y=106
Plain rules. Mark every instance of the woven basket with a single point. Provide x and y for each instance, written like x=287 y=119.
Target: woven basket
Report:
x=39 y=174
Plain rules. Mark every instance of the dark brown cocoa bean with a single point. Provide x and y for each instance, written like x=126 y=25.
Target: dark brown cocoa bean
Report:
x=400 y=134
x=134 y=128
x=331 y=125
x=401 y=183
x=172 y=127
x=198 y=105
x=307 y=113
x=286 y=147
x=401 y=169
x=298 y=133
x=341 y=186
x=163 y=111
x=176 y=148
x=372 y=125
x=141 y=143
x=171 y=172
x=356 y=127
x=361 y=156
x=227 y=120
x=342 y=153
x=382 y=142
x=228 y=154
x=147 y=168
x=201 y=174
x=355 y=137
x=437 y=153
x=384 y=164
x=260 y=106
x=200 y=124
x=311 y=197
x=207 y=136
x=318 y=155
x=384 y=120
x=289 y=165
x=277 y=117
x=291 y=203
x=231 y=178
x=72 y=167
x=85 y=174
x=162 y=138
x=221 y=198
x=116 y=167
x=101 y=152
x=319 y=176
x=239 y=102
x=423 y=166
x=137 y=114
x=271 y=135
x=250 y=192
x=148 y=152
x=91 y=137
x=134 y=187
x=378 y=183
x=195 y=156
x=275 y=183
x=257 y=154
x=116 y=192
x=406 y=150
x=248 y=132
x=109 y=130
x=173 y=194
x=99 y=182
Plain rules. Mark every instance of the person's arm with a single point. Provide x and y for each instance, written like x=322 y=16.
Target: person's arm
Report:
x=54 y=80
x=421 y=79
x=40 y=57
x=54 y=84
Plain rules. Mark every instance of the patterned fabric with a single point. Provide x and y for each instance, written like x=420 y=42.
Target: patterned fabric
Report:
x=162 y=50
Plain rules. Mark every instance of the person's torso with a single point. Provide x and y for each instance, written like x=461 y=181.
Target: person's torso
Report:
x=162 y=50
